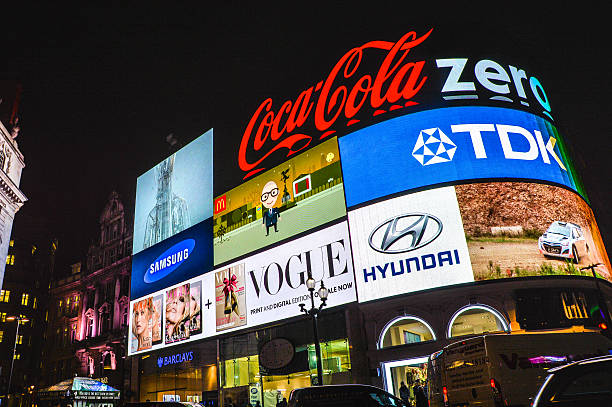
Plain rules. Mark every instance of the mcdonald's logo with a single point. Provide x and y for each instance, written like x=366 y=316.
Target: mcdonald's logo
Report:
x=220 y=204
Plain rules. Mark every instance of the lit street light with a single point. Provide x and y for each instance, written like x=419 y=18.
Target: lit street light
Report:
x=313 y=313
x=20 y=320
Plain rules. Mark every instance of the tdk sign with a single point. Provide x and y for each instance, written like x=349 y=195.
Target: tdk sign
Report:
x=450 y=145
x=169 y=261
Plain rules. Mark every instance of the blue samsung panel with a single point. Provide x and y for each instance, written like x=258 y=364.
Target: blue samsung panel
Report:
x=449 y=145
x=183 y=256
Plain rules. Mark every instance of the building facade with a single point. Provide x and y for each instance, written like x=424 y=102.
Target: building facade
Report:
x=24 y=297
x=11 y=165
x=89 y=307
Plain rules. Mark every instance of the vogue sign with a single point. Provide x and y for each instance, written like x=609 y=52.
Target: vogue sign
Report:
x=342 y=94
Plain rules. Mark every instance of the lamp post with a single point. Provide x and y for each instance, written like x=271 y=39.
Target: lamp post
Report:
x=20 y=320
x=313 y=313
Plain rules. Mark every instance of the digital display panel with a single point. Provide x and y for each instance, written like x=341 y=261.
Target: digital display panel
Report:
x=175 y=194
x=454 y=144
x=469 y=232
x=256 y=290
x=304 y=192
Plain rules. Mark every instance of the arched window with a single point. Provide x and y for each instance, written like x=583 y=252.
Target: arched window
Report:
x=405 y=330
x=475 y=320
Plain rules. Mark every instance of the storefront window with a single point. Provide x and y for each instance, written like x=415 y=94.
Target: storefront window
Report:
x=405 y=330
x=244 y=380
x=476 y=320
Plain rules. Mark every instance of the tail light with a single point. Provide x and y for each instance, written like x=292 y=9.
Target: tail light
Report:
x=445 y=395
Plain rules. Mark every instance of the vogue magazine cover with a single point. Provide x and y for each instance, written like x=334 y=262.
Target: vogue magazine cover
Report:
x=142 y=315
x=177 y=314
x=195 y=307
x=230 y=300
x=158 y=317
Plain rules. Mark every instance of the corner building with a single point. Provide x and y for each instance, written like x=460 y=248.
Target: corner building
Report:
x=428 y=223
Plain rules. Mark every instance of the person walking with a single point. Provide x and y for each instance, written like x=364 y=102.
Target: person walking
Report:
x=404 y=392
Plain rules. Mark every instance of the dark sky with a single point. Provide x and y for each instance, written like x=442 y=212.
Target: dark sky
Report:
x=104 y=86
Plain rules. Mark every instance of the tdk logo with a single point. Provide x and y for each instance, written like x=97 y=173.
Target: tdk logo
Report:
x=405 y=233
x=169 y=260
x=433 y=146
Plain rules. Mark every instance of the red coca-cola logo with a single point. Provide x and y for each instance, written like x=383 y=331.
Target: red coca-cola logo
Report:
x=396 y=82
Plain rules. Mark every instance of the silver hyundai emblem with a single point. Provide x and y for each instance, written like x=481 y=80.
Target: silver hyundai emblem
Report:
x=405 y=233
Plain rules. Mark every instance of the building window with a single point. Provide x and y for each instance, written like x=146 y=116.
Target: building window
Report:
x=2 y=316
x=405 y=330
x=17 y=356
x=10 y=259
x=25 y=298
x=90 y=327
x=1 y=335
x=476 y=320
x=19 y=340
x=73 y=332
x=5 y=295
x=11 y=243
x=34 y=303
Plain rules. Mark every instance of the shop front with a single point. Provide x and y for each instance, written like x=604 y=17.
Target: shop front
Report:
x=180 y=373
x=264 y=366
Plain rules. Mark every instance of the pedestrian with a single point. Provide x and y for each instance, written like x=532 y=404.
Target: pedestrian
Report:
x=404 y=392
x=419 y=395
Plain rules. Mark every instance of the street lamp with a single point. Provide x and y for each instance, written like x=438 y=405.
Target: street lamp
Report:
x=20 y=320
x=313 y=313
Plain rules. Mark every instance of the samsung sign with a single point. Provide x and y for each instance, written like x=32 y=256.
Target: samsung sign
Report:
x=450 y=145
x=183 y=256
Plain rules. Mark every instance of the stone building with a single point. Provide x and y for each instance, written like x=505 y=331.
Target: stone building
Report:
x=89 y=308
x=11 y=165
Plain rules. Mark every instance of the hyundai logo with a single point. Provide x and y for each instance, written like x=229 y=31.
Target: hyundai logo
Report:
x=405 y=233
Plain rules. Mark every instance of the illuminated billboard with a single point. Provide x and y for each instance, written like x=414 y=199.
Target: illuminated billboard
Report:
x=448 y=145
x=175 y=194
x=304 y=192
x=409 y=243
x=259 y=289
x=173 y=219
x=469 y=232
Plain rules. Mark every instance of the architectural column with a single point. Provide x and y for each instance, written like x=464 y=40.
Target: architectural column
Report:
x=94 y=332
x=83 y=327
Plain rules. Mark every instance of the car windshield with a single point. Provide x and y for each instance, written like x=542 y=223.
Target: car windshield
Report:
x=558 y=229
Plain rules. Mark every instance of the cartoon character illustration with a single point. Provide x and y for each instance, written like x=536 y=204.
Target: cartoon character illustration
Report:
x=271 y=215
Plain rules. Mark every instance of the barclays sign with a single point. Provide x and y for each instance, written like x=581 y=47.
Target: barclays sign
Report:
x=174 y=359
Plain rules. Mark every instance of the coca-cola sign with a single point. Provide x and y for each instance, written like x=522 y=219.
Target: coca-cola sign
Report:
x=334 y=101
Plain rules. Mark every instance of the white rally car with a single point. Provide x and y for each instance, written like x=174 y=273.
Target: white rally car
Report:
x=565 y=240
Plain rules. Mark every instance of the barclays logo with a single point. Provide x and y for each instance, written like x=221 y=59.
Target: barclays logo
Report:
x=405 y=233
x=169 y=260
x=174 y=359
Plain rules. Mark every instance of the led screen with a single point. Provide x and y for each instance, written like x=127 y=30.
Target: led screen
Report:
x=470 y=232
x=259 y=289
x=304 y=192
x=449 y=145
x=175 y=194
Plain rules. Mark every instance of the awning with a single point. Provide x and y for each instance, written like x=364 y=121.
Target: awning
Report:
x=79 y=388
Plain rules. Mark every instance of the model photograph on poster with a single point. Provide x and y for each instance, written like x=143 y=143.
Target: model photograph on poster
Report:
x=195 y=308
x=304 y=192
x=178 y=314
x=142 y=316
x=174 y=195
x=156 y=320
x=517 y=229
x=230 y=300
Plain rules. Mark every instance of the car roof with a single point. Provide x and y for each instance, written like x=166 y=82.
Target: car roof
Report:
x=598 y=359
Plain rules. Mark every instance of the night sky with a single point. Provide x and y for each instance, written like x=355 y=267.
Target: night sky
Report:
x=103 y=87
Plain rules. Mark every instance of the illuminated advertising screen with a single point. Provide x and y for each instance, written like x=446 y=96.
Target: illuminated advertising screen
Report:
x=409 y=243
x=259 y=289
x=469 y=232
x=302 y=193
x=175 y=194
x=173 y=219
x=447 y=145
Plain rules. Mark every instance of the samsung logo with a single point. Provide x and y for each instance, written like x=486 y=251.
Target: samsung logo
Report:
x=169 y=260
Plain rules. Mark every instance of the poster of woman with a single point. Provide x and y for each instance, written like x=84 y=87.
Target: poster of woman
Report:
x=142 y=315
x=230 y=300
x=195 y=307
x=177 y=314
x=157 y=319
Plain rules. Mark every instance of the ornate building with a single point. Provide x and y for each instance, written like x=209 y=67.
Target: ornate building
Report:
x=11 y=164
x=89 y=308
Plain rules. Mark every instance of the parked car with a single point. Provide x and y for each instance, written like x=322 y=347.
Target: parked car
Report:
x=564 y=240
x=343 y=395
x=584 y=383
